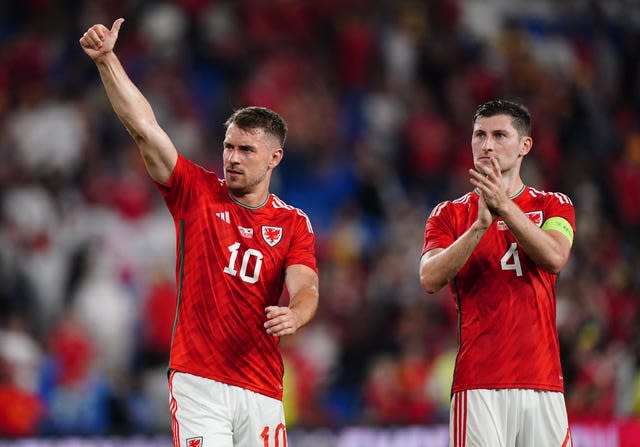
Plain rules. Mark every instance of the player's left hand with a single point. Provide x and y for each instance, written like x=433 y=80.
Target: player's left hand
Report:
x=488 y=180
x=281 y=320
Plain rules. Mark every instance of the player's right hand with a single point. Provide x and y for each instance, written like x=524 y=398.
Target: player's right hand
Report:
x=100 y=40
x=485 y=215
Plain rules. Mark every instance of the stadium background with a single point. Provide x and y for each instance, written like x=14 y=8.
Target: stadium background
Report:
x=378 y=97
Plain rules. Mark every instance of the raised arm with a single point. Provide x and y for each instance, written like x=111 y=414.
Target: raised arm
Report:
x=302 y=285
x=159 y=153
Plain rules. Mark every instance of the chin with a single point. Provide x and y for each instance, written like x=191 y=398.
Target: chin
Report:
x=237 y=190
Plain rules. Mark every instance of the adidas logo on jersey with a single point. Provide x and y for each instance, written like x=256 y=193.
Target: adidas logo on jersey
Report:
x=224 y=215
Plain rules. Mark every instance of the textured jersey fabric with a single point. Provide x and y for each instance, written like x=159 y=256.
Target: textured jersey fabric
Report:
x=506 y=304
x=231 y=262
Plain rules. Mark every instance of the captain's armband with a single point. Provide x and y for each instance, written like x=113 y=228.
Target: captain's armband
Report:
x=559 y=224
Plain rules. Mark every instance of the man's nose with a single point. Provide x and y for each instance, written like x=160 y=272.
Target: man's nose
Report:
x=488 y=144
x=232 y=155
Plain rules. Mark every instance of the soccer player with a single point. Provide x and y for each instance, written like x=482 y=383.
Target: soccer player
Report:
x=500 y=248
x=237 y=247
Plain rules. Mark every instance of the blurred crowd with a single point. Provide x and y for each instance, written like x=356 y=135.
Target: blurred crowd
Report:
x=379 y=98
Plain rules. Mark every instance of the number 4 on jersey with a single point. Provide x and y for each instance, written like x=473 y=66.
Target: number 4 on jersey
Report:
x=511 y=260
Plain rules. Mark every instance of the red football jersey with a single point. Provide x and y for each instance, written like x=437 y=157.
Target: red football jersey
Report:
x=507 y=336
x=231 y=262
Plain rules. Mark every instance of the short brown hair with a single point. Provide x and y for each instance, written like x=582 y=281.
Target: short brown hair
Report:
x=520 y=117
x=254 y=117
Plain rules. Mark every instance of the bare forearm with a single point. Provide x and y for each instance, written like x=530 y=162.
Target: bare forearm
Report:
x=305 y=305
x=127 y=101
x=157 y=150
x=302 y=284
x=545 y=250
x=438 y=268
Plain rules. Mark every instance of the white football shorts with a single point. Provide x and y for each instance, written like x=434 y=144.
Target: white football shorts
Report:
x=508 y=418
x=207 y=413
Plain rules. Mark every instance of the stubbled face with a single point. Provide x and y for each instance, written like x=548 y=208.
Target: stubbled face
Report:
x=248 y=158
x=495 y=137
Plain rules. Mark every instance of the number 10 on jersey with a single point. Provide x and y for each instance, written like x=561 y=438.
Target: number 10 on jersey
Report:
x=231 y=268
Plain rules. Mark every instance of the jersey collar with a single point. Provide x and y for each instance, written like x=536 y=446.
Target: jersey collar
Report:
x=244 y=205
x=520 y=191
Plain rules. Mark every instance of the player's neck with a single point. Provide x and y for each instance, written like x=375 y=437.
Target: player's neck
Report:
x=512 y=186
x=250 y=200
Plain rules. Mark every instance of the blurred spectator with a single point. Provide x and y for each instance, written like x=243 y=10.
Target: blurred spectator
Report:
x=76 y=394
x=30 y=221
x=21 y=353
x=21 y=411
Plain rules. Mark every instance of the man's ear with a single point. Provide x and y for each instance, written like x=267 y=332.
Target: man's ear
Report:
x=276 y=157
x=525 y=146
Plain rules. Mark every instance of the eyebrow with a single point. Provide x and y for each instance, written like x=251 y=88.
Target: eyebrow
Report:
x=241 y=146
x=505 y=131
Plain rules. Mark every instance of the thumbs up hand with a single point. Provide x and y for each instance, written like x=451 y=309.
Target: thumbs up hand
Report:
x=100 y=40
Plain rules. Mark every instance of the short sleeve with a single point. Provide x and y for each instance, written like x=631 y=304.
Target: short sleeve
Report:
x=184 y=184
x=302 y=248
x=438 y=232
x=560 y=205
